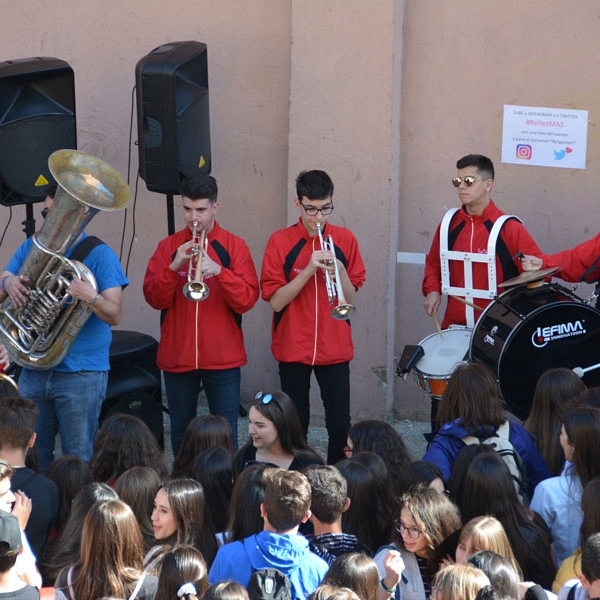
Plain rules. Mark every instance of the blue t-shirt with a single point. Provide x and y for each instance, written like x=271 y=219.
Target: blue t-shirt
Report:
x=90 y=350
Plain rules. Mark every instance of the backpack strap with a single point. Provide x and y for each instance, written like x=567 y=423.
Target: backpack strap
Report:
x=70 y=582
x=572 y=590
x=138 y=585
x=85 y=246
x=504 y=431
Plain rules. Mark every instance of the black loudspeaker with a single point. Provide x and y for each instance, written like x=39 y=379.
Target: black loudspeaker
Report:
x=134 y=381
x=172 y=114
x=37 y=117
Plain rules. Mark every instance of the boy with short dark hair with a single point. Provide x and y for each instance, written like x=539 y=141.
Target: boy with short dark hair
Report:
x=588 y=585
x=306 y=337
x=329 y=500
x=286 y=504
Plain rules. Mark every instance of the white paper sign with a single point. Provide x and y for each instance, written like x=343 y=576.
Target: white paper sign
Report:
x=545 y=137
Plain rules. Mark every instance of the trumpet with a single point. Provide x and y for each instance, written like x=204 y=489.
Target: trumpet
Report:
x=195 y=289
x=342 y=310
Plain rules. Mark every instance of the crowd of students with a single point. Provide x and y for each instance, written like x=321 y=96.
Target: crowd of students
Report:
x=494 y=510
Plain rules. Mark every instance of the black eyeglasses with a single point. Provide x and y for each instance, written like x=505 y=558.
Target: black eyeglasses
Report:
x=468 y=180
x=264 y=398
x=413 y=532
x=312 y=211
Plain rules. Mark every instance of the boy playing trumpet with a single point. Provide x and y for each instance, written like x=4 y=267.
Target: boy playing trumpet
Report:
x=305 y=335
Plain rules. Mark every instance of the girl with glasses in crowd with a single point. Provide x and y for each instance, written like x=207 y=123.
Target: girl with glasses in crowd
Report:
x=276 y=435
x=427 y=523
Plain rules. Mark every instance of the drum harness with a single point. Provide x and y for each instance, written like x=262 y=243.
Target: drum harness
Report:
x=468 y=258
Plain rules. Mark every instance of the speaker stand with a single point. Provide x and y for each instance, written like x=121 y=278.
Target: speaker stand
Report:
x=29 y=222
x=170 y=214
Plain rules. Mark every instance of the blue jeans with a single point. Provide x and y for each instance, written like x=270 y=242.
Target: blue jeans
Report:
x=222 y=388
x=68 y=404
x=334 y=383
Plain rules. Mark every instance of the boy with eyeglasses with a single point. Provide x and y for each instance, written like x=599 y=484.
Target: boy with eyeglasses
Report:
x=460 y=262
x=305 y=335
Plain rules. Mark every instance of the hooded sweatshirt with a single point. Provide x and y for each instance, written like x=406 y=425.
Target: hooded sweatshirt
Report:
x=287 y=552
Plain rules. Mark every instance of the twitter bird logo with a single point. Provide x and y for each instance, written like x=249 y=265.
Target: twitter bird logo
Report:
x=559 y=154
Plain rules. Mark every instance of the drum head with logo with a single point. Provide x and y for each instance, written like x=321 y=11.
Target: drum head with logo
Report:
x=527 y=331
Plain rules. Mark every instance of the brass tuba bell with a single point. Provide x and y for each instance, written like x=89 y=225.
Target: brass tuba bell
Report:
x=39 y=334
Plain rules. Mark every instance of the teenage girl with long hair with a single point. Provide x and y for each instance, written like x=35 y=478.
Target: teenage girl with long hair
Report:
x=65 y=550
x=554 y=389
x=276 y=435
x=472 y=407
x=182 y=574
x=110 y=564
x=488 y=489
x=180 y=517
x=381 y=438
x=558 y=499
x=203 y=432
x=484 y=533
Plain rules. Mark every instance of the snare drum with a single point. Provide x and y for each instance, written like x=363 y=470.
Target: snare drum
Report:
x=528 y=330
x=443 y=353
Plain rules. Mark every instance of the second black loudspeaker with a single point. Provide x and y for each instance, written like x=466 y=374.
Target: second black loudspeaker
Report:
x=173 y=115
x=37 y=117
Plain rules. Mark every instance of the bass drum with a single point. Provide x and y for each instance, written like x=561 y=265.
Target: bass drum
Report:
x=528 y=330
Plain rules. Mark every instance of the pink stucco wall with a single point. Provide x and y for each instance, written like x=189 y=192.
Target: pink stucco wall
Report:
x=384 y=94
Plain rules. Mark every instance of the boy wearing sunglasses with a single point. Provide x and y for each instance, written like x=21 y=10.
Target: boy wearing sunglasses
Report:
x=306 y=337
x=474 y=248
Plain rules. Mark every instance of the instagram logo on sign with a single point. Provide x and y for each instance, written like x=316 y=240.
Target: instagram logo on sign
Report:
x=524 y=151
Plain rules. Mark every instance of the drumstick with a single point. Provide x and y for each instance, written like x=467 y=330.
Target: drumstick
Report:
x=466 y=302
x=437 y=323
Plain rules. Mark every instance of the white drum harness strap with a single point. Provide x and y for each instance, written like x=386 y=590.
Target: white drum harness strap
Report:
x=468 y=258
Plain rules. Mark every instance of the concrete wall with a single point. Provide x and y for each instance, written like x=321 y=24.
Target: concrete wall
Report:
x=293 y=85
x=462 y=62
x=383 y=94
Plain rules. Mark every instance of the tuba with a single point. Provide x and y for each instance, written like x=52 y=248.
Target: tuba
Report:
x=39 y=334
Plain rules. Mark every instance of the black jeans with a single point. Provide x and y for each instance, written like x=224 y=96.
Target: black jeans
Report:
x=334 y=382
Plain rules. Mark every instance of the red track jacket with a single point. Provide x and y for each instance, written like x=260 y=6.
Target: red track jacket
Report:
x=304 y=331
x=207 y=334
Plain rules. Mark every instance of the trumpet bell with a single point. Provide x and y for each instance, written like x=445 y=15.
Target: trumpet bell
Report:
x=196 y=291
x=342 y=312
